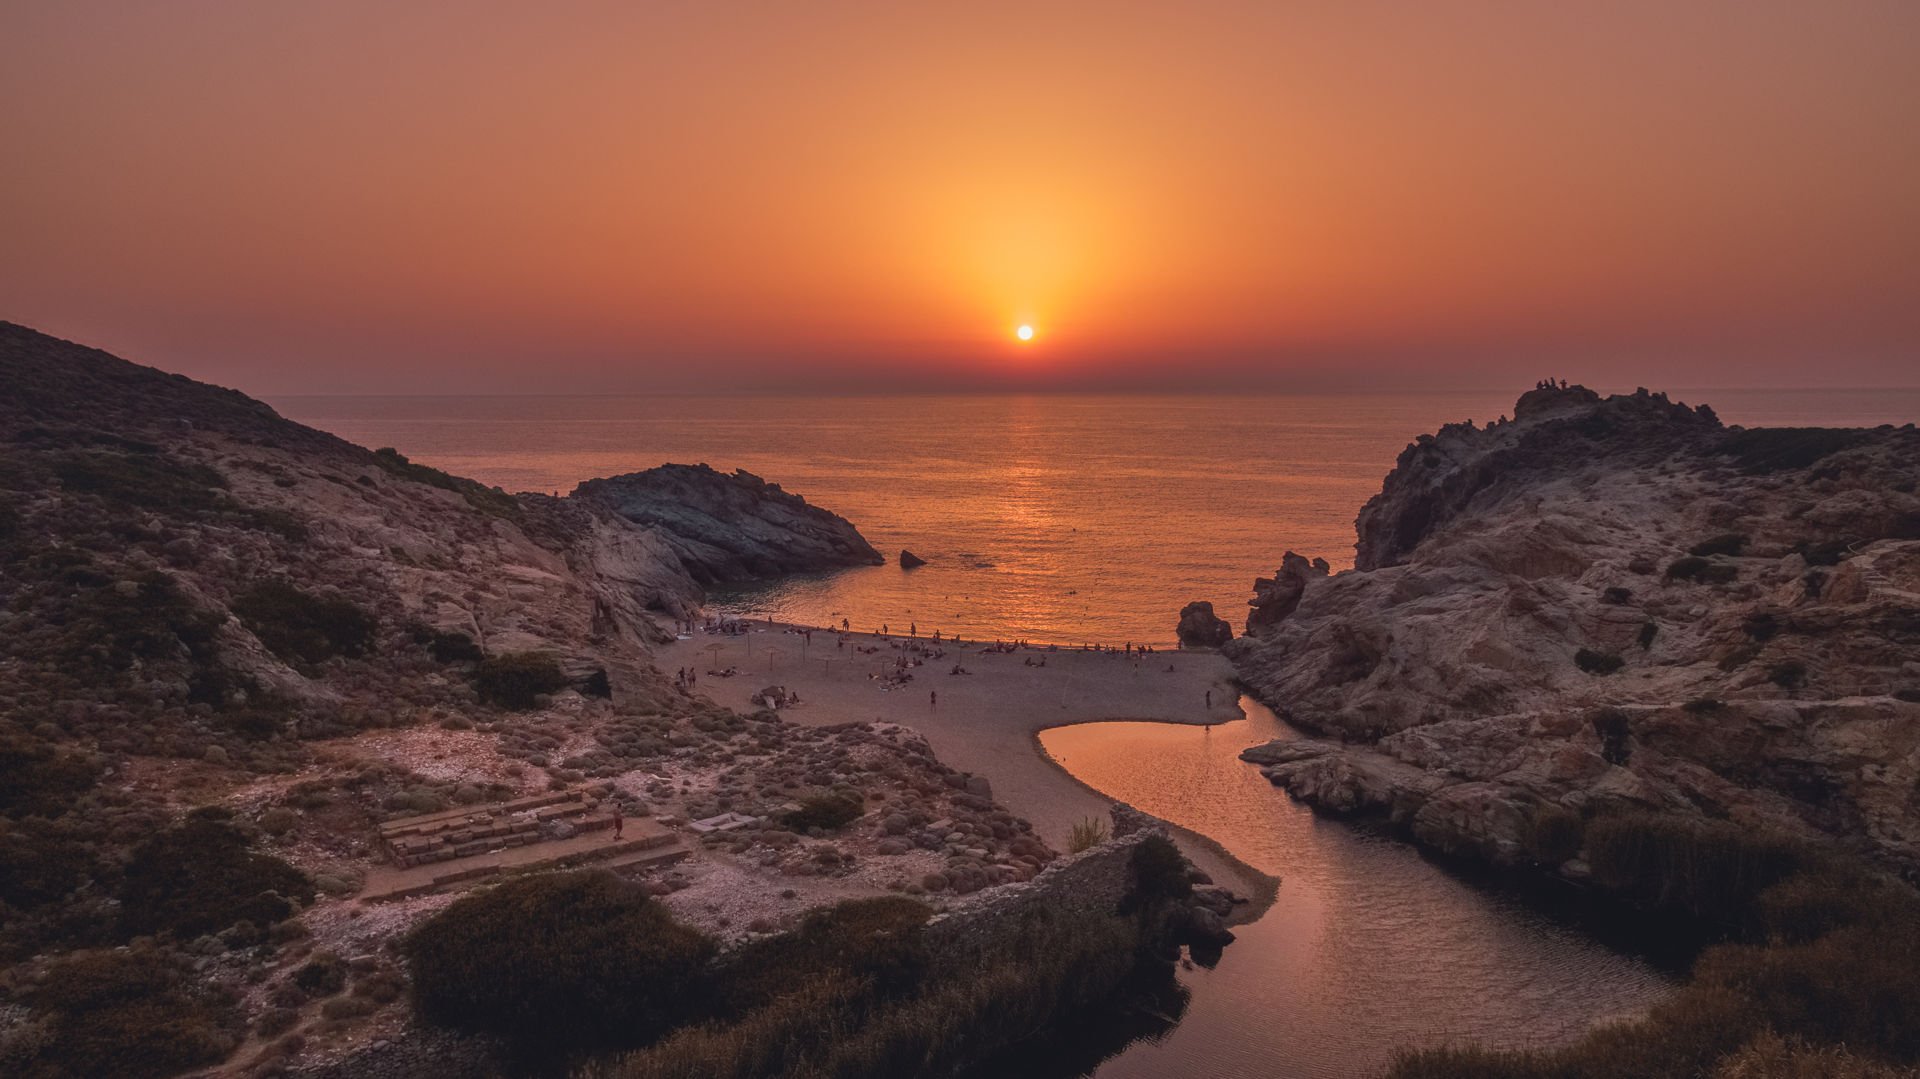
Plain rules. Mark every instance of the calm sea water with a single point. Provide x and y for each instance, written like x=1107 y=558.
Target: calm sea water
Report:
x=1050 y=518
x=1368 y=948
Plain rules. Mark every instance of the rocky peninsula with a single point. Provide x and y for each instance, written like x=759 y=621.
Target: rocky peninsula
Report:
x=1611 y=605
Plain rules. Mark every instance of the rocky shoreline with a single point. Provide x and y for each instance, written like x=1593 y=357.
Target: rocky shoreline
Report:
x=1610 y=605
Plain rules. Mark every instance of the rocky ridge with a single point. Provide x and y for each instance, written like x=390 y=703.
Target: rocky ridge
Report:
x=1611 y=604
x=729 y=528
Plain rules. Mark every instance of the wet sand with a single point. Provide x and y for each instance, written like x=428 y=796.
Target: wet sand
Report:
x=986 y=722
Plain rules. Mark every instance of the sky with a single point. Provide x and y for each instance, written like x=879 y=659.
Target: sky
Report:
x=483 y=197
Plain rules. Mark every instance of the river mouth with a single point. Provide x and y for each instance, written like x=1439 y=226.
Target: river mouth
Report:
x=1368 y=948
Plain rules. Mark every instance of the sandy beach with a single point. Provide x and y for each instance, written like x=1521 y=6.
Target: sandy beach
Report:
x=985 y=721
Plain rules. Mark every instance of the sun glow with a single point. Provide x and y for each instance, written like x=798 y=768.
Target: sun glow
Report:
x=1024 y=333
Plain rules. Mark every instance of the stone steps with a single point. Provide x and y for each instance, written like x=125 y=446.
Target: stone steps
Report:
x=649 y=843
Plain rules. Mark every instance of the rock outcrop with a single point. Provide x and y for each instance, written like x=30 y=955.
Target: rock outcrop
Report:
x=1608 y=604
x=1200 y=628
x=909 y=560
x=731 y=527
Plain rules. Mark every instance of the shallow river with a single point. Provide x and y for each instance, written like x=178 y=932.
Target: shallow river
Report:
x=1368 y=948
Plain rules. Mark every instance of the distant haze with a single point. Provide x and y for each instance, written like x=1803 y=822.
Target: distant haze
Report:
x=580 y=197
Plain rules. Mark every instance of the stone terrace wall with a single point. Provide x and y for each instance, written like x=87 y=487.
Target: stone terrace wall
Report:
x=1088 y=884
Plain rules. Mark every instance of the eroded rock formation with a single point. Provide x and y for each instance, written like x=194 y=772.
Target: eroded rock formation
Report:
x=1200 y=628
x=1612 y=603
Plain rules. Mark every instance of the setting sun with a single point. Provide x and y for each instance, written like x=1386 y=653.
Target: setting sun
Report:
x=1024 y=333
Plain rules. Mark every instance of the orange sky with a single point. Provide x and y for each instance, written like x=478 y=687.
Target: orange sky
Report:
x=472 y=197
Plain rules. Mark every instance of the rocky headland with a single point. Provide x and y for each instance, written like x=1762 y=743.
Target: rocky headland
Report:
x=1611 y=605
x=729 y=528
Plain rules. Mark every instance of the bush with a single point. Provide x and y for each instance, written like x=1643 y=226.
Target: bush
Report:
x=1087 y=834
x=557 y=962
x=1761 y=625
x=1701 y=706
x=37 y=779
x=304 y=628
x=1727 y=543
x=202 y=877
x=1788 y=675
x=453 y=647
x=1648 y=631
x=132 y=1013
x=1594 y=662
x=515 y=679
x=1616 y=596
x=876 y=942
x=485 y=499
x=322 y=976
x=1707 y=870
x=826 y=810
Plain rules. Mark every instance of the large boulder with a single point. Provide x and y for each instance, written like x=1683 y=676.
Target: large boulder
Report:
x=909 y=560
x=1200 y=628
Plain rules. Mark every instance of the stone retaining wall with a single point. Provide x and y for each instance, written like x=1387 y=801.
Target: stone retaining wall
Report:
x=1088 y=884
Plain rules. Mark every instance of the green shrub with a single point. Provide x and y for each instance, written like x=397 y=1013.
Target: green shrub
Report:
x=515 y=679
x=322 y=976
x=1648 y=631
x=304 y=628
x=42 y=861
x=1616 y=596
x=1727 y=543
x=558 y=962
x=1761 y=625
x=1594 y=662
x=1087 y=834
x=130 y=1013
x=825 y=810
x=1708 y=870
x=202 y=877
x=875 y=942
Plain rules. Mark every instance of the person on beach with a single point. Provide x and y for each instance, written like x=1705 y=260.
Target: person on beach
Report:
x=933 y=698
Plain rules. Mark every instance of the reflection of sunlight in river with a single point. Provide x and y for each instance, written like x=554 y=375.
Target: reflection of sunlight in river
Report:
x=1367 y=947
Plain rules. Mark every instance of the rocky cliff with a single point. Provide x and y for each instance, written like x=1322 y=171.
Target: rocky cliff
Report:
x=729 y=528
x=1612 y=603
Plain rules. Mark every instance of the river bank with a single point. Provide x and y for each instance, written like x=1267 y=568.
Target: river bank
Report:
x=986 y=721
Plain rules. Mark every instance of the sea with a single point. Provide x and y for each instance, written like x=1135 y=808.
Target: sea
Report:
x=1061 y=519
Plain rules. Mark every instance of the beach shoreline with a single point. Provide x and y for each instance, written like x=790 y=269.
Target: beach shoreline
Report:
x=986 y=722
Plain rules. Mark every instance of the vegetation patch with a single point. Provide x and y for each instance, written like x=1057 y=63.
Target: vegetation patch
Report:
x=202 y=877
x=137 y=1013
x=558 y=962
x=517 y=680
x=304 y=628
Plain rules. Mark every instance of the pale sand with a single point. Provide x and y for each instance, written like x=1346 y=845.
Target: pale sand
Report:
x=986 y=722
